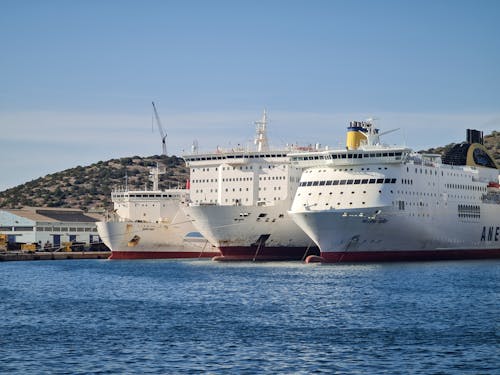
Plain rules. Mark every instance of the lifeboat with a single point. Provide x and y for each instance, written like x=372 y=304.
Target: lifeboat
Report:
x=493 y=188
x=494 y=185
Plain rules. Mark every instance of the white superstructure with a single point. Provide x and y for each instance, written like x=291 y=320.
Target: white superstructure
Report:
x=150 y=224
x=371 y=201
x=239 y=200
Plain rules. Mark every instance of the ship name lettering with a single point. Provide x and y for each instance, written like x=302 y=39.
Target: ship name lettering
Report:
x=490 y=234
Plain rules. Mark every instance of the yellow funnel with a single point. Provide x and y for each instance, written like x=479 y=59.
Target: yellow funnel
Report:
x=354 y=137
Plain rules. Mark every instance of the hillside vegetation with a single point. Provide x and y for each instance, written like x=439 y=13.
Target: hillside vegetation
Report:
x=89 y=188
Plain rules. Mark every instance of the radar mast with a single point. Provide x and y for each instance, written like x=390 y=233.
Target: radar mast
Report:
x=261 y=136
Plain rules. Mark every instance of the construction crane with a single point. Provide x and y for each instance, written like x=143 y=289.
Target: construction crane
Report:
x=162 y=133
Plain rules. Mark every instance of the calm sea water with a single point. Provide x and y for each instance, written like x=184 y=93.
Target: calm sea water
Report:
x=168 y=317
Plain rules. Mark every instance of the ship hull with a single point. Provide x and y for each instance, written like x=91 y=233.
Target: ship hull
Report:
x=353 y=236
x=255 y=233
x=409 y=255
x=138 y=240
x=253 y=253
x=162 y=253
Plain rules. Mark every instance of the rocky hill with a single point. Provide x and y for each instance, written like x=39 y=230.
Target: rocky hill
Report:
x=492 y=143
x=89 y=188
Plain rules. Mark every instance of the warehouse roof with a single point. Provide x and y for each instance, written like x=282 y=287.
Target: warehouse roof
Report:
x=48 y=214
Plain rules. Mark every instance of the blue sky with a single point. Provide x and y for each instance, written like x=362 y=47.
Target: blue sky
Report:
x=77 y=77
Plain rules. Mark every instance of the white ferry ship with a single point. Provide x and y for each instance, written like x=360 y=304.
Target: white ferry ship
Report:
x=239 y=201
x=372 y=202
x=149 y=224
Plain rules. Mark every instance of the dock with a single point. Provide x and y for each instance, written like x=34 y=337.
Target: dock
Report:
x=60 y=255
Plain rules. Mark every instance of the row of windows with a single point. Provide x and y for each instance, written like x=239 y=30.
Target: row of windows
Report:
x=449 y=174
x=417 y=170
x=341 y=169
x=146 y=195
x=349 y=182
x=401 y=204
x=142 y=205
x=240 y=189
x=235 y=179
x=207 y=180
x=424 y=170
x=341 y=193
x=348 y=156
x=468 y=207
x=465 y=187
x=403 y=192
x=381 y=181
x=235 y=200
x=235 y=168
x=16 y=229
x=264 y=178
x=380 y=192
x=469 y=211
x=47 y=229
x=211 y=190
x=244 y=156
x=63 y=229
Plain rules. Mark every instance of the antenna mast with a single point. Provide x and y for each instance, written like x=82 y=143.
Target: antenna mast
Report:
x=154 y=176
x=160 y=128
x=261 y=136
x=194 y=147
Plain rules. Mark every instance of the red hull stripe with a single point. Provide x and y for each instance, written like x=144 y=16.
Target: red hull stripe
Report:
x=416 y=255
x=161 y=254
x=266 y=253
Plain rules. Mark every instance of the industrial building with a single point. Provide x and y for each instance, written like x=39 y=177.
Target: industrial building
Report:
x=48 y=229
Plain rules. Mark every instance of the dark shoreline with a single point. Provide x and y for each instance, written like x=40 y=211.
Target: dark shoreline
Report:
x=19 y=256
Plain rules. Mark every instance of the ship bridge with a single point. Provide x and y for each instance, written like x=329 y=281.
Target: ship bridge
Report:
x=349 y=157
x=233 y=158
